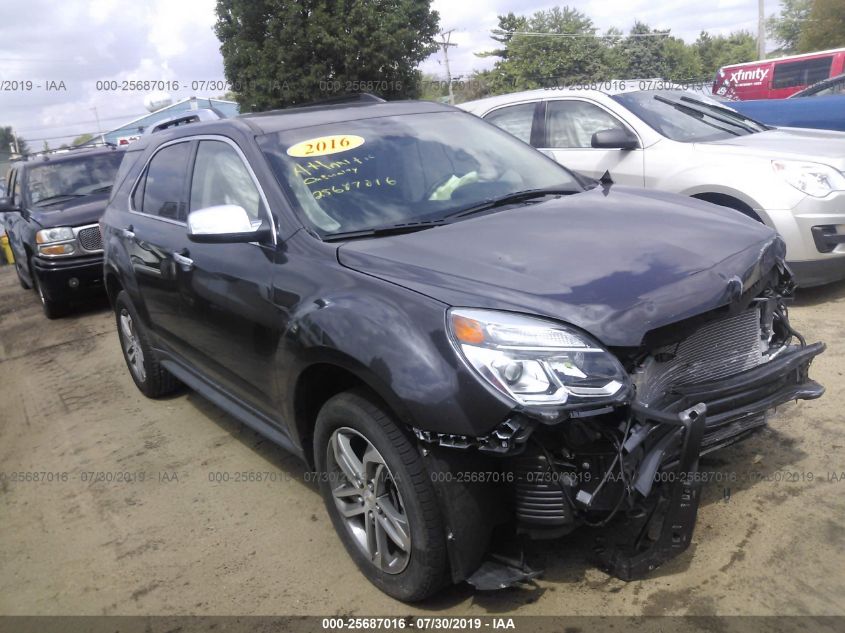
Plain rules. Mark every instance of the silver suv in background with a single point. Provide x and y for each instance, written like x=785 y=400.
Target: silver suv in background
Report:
x=673 y=140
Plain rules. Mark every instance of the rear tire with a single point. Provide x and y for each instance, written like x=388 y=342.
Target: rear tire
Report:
x=391 y=503
x=153 y=380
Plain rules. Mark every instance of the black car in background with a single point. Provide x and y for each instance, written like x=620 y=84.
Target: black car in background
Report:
x=53 y=205
x=465 y=341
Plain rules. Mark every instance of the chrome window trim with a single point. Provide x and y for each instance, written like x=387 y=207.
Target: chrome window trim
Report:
x=201 y=137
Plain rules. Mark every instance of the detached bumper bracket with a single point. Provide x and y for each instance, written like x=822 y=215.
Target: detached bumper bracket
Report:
x=666 y=529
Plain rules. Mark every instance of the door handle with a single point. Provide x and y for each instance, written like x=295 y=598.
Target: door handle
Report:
x=185 y=262
x=128 y=233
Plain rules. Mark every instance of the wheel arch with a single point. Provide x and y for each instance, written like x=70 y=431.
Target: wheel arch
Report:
x=325 y=378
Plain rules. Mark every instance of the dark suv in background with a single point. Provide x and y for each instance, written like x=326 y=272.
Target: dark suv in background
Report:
x=464 y=340
x=53 y=205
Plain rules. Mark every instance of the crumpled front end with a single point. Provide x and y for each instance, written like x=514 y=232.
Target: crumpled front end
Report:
x=630 y=468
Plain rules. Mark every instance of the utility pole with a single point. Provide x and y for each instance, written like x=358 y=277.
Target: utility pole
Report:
x=761 y=29
x=445 y=36
x=99 y=130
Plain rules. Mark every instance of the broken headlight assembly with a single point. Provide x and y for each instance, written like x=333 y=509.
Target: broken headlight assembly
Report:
x=535 y=361
x=56 y=242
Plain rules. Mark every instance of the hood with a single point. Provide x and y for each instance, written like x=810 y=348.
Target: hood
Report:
x=74 y=212
x=615 y=262
x=819 y=146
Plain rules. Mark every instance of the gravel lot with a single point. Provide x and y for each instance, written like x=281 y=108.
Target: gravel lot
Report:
x=178 y=543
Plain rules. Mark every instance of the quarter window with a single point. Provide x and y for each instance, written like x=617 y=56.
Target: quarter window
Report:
x=801 y=73
x=163 y=186
x=220 y=177
x=515 y=120
x=571 y=124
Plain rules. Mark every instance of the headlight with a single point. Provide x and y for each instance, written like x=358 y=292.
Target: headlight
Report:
x=535 y=361
x=814 y=179
x=56 y=241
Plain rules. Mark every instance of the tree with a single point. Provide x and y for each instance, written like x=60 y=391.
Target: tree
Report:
x=570 y=52
x=825 y=27
x=786 y=27
x=508 y=25
x=642 y=52
x=723 y=50
x=82 y=138
x=284 y=52
x=7 y=138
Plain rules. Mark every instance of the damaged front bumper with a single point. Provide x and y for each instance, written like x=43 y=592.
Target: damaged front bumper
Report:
x=629 y=470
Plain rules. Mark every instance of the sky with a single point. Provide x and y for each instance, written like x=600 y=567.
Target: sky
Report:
x=65 y=48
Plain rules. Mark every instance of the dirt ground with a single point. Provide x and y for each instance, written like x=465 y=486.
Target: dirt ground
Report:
x=178 y=542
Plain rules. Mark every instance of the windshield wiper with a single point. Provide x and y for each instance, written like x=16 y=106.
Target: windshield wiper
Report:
x=511 y=198
x=699 y=114
x=55 y=198
x=731 y=116
x=391 y=229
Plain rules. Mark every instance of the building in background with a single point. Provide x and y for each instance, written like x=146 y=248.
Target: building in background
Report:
x=163 y=108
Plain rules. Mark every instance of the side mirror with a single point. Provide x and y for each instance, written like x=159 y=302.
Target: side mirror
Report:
x=6 y=206
x=224 y=224
x=614 y=139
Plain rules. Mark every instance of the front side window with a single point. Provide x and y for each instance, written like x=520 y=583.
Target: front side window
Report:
x=515 y=120
x=220 y=177
x=55 y=181
x=371 y=173
x=571 y=124
x=164 y=183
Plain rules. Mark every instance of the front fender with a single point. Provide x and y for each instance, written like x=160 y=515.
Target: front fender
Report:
x=395 y=341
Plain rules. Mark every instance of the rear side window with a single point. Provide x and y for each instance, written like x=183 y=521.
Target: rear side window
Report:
x=164 y=184
x=515 y=120
x=220 y=177
x=801 y=73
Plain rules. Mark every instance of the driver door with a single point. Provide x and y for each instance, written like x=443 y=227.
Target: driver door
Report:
x=230 y=326
x=569 y=128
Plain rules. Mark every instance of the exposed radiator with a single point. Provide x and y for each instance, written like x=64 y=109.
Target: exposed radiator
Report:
x=718 y=349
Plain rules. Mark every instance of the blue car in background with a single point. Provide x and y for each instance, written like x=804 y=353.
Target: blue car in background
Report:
x=821 y=112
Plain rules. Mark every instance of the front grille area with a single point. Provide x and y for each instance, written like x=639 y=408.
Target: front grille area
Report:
x=717 y=350
x=90 y=239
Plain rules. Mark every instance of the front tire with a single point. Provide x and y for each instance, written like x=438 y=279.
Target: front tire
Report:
x=153 y=380
x=52 y=309
x=380 y=498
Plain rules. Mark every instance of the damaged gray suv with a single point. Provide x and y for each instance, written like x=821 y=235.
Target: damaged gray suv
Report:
x=464 y=340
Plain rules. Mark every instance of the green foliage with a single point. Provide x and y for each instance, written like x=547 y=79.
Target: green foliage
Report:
x=825 y=27
x=82 y=138
x=570 y=53
x=7 y=137
x=529 y=61
x=723 y=50
x=285 y=52
x=785 y=28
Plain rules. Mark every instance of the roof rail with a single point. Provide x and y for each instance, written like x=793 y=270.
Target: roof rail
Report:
x=63 y=150
x=360 y=98
x=355 y=97
x=184 y=118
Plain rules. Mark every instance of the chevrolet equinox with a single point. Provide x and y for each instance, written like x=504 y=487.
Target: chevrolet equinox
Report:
x=469 y=344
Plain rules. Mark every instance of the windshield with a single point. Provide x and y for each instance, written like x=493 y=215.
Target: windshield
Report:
x=77 y=177
x=372 y=173
x=687 y=118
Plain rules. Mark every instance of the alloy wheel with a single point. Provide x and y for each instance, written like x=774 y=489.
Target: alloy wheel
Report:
x=132 y=346
x=368 y=500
